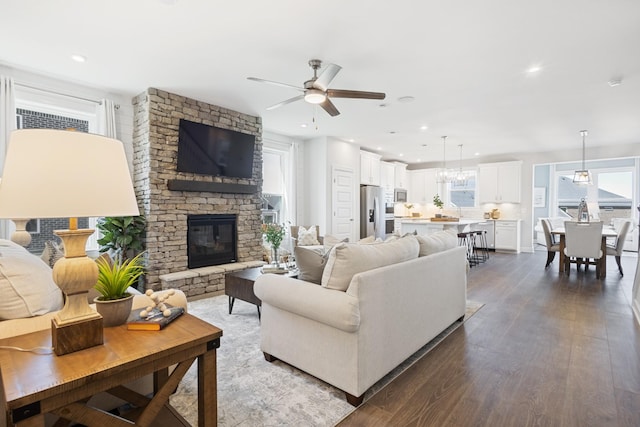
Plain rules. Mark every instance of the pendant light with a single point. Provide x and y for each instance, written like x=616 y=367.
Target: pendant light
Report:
x=583 y=176
x=444 y=175
x=460 y=177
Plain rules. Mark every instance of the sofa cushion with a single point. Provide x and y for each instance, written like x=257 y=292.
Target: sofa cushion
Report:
x=347 y=259
x=437 y=242
x=310 y=264
x=307 y=236
x=26 y=285
x=330 y=241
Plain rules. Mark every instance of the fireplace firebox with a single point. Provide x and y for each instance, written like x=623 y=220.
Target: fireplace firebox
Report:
x=211 y=240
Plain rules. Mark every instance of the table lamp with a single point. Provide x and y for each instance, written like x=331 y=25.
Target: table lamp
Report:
x=59 y=174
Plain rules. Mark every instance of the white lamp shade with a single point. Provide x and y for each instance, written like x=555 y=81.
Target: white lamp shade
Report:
x=59 y=174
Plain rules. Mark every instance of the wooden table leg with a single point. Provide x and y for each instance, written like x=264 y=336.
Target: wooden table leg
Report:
x=207 y=387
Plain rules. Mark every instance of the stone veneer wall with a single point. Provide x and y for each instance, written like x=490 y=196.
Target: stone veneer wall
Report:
x=155 y=139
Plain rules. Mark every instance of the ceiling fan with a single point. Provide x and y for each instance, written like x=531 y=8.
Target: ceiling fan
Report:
x=316 y=90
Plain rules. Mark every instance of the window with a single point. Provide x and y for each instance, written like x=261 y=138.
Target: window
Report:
x=463 y=194
x=277 y=185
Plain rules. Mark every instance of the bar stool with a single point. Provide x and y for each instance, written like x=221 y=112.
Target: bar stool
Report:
x=467 y=239
x=483 y=249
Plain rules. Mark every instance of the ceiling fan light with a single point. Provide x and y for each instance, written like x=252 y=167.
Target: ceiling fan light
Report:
x=315 y=96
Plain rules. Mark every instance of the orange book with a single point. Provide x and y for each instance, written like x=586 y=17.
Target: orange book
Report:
x=152 y=322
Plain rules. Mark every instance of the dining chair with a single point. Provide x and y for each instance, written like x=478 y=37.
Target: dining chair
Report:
x=552 y=246
x=616 y=249
x=583 y=242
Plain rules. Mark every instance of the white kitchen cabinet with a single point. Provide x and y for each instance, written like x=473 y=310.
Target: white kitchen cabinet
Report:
x=499 y=182
x=387 y=176
x=507 y=235
x=369 y=168
x=422 y=186
x=400 y=178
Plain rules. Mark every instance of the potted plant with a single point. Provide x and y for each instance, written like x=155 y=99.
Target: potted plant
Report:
x=114 y=279
x=122 y=236
x=273 y=234
x=437 y=201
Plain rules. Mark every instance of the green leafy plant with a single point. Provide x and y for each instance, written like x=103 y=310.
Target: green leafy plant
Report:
x=122 y=235
x=273 y=234
x=114 y=278
x=437 y=201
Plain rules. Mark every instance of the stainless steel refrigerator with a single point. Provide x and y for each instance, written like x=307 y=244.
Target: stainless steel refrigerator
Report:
x=372 y=211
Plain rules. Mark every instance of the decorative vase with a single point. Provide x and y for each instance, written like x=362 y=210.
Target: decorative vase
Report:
x=275 y=261
x=114 y=312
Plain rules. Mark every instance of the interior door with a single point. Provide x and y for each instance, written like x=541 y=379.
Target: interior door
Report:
x=342 y=203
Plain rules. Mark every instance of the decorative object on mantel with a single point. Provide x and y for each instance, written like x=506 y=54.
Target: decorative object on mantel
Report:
x=114 y=279
x=66 y=179
x=582 y=176
x=273 y=234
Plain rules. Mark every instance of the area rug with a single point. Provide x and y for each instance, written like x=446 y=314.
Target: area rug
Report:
x=253 y=392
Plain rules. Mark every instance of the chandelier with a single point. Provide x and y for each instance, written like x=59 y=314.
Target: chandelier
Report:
x=460 y=178
x=582 y=176
x=444 y=175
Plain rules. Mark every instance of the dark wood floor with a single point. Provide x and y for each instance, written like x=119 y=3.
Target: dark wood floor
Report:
x=545 y=350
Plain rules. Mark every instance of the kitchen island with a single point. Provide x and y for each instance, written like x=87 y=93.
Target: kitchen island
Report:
x=426 y=226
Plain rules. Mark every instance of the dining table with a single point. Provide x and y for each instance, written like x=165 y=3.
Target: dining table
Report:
x=607 y=231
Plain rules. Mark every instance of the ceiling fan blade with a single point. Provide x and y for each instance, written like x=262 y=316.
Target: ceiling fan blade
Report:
x=329 y=107
x=340 y=93
x=288 y=101
x=271 y=82
x=323 y=80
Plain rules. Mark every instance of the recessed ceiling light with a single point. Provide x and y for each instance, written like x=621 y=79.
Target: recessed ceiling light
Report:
x=424 y=127
x=304 y=125
x=78 y=58
x=351 y=140
x=418 y=159
x=401 y=154
x=406 y=99
x=477 y=154
x=615 y=82
x=534 y=69
x=379 y=148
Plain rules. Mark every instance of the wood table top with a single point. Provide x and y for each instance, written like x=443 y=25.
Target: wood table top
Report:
x=29 y=377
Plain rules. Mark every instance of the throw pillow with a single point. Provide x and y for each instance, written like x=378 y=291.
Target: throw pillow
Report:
x=310 y=264
x=347 y=259
x=26 y=285
x=437 y=242
x=52 y=252
x=307 y=236
x=330 y=241
x=366 y=240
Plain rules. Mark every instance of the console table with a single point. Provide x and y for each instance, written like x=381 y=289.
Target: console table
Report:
x=34 y=384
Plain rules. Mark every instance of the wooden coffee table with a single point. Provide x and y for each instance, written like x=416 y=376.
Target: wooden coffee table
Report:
x=239 y=284
x=34 y=384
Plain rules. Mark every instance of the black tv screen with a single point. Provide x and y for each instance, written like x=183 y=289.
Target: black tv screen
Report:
x=208 y=150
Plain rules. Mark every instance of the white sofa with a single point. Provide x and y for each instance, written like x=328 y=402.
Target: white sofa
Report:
x=352 y=338
x=31 y=299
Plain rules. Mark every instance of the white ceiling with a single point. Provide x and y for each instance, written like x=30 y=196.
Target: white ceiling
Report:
x=463 y=61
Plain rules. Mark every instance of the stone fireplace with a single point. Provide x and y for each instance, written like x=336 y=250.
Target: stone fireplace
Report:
x=168 y=197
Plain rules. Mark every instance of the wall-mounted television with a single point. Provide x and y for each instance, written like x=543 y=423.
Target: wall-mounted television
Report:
x=209 y=150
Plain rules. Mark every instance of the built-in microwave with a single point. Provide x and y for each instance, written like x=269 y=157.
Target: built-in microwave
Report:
x=400 y=195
